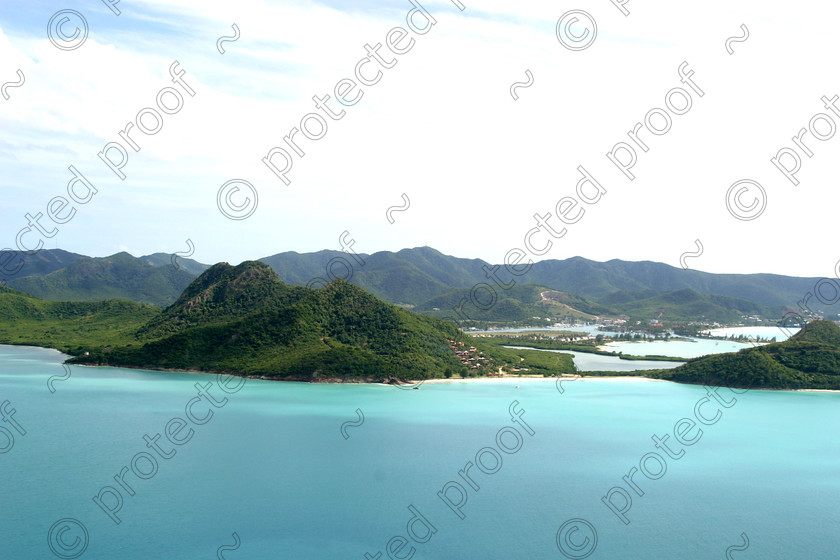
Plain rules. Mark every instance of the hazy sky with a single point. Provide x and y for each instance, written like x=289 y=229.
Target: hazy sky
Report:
x=428 y=112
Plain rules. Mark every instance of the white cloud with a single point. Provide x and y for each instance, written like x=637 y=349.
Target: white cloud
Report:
x=441 y=126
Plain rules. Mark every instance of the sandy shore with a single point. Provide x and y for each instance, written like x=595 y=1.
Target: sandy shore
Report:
x=486 y=379
x=625 y=378
x=508 y=379
x=538 y=378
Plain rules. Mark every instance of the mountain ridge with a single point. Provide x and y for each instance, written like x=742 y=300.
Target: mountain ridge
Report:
x=418 y=277
x=243 y=320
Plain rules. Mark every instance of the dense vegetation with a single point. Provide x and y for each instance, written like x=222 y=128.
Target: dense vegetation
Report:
x=809 y=359
x=417 y=275
x=531 y=362
x=71 y=327
x=17 y=264
x=685 y=305
x=520 y=304
x=145 y=280
x=432 y=283
x=243 y=320
x=409 y=276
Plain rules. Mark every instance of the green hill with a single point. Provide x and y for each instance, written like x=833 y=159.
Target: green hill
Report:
x=71 y=327
x=17 y=264
x=592 y=279
x=523 y=302
x=409 y=276
x=685 y=305
x=165 y=259
x=520 y=303
x=423 y=278
x=426 y=273
x=808 y=360
x=222 y=294
x=120 y=276
x=243 y=320
x=819 y=332
x=426 y=278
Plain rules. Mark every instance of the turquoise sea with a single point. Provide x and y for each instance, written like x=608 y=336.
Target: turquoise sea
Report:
x=291 y=470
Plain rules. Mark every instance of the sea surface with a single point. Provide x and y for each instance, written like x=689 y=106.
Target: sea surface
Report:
x=292 y=470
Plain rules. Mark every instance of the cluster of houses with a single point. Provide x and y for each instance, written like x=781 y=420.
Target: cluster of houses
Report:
x=469 y=355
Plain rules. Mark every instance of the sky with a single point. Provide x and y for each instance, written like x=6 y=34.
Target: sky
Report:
x=636 y=131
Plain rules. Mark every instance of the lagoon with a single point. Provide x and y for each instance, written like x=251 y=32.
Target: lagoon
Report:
x=696 y=347
x=687 y=347
x=587 y=361
x=678 y=348
x=272 y=465
x=753 y=332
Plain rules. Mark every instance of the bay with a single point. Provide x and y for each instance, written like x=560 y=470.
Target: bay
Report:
x=273 y=466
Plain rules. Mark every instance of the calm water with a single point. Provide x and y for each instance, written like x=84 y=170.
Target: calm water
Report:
x=696 y=347
x=690 y=348
x=587 y=329
x=272 y=466
x=763 y=332
x=681 y=348
x=586 y=361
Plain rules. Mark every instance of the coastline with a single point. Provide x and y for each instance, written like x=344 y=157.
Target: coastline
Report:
x=418 y=382
x=555 y=379
x=394 y=382
x=628 y=378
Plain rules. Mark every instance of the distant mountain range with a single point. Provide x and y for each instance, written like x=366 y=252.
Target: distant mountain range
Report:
x=70 y=277
x=430 y=282
x=429 y=273
x=243 y=320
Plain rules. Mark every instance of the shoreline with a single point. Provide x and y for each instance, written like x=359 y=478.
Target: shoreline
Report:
x=612 y=378
x=396 y=383
x=541 y=378
x=438 y=380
